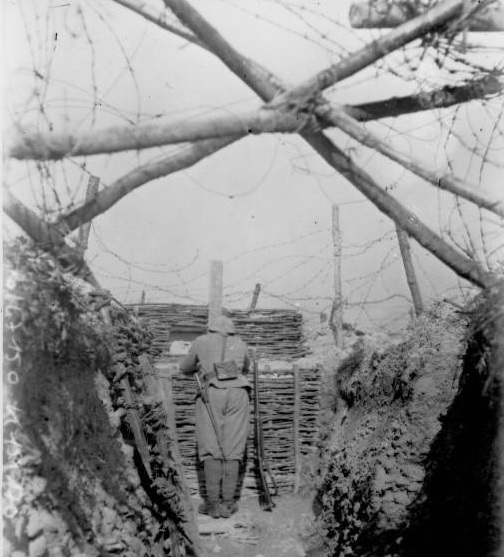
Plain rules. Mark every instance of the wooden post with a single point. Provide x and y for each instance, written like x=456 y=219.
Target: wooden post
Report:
x=295 y=427
x=255 y=296
x=465 y=10
x=215 y=294
x=409 y=269
x=336 y=323
x=91 y=192
x=136 y=308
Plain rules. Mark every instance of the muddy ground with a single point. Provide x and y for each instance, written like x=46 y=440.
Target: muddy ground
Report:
x=253 y=532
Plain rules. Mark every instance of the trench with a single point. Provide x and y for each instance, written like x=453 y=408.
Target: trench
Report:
x=397 y=452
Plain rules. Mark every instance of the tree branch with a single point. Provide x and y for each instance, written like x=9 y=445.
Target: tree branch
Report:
x=158 y=17
x=407 y=32
x=463 y=266
x=47 y=237
x=395 y=106
x=110 y=140
x=410 y=162
x=139 y=176
x=232 y=59
x=54 y=145
x=429 y=100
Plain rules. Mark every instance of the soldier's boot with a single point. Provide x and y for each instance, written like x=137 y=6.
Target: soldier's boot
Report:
x=213 y=476
x=229 y=484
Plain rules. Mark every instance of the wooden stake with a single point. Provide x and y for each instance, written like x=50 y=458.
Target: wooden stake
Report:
x=255 y=296
x=295 y=427
x=336 y=323
x=92 y=191
x=410 y=270
x=215 y=295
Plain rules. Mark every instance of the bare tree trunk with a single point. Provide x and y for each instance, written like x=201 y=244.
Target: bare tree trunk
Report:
x=409 y=270
x=463 y=266
x=53 y=145
x=270 y=87
x=157 y=17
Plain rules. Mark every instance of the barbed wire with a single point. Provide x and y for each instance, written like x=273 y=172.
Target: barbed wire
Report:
x=55 y=189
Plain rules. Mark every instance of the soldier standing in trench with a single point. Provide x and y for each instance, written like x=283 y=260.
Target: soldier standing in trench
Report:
x=222 y=411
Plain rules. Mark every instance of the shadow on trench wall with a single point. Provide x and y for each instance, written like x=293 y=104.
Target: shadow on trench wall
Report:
x=459 y=510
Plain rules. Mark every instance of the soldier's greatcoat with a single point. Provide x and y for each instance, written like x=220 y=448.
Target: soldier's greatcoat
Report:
x=228 y=400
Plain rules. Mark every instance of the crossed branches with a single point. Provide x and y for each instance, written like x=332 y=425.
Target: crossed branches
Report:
x=300 y=109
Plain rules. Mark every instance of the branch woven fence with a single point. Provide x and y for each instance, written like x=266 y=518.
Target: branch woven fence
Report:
x=276 y=333
x=290 y=401
x=289 y=393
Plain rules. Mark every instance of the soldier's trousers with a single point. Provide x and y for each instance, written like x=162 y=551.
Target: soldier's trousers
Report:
x=230 y=408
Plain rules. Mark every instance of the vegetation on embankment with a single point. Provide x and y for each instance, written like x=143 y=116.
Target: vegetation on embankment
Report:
x=411 y=465
x=73 y=482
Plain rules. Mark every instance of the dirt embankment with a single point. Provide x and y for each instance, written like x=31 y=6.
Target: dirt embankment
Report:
x=411 y=457
x=461 y=507
x=410 y=468
x=73 y=482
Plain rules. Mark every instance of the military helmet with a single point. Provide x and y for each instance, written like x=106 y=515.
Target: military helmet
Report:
x=222 y=325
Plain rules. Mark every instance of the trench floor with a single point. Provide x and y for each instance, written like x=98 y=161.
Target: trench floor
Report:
x=252 y=532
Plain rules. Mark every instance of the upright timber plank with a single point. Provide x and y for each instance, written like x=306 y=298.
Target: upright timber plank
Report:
x=336 y=322
x=297 y=433
x=404 y=246
x=84 y=229
x=215 y=294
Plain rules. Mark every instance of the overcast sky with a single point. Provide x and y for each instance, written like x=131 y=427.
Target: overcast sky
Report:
x=263 y=205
